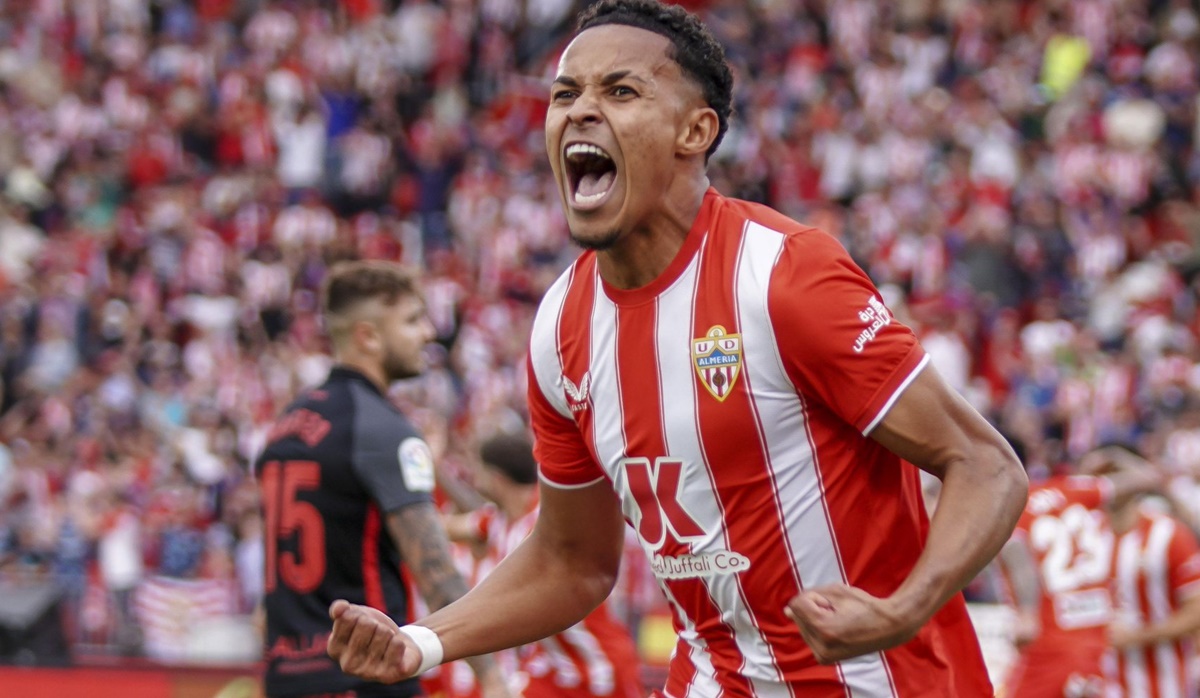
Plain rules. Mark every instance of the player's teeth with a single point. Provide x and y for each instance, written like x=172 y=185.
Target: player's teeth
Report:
x=581 y=199
x=586 y=149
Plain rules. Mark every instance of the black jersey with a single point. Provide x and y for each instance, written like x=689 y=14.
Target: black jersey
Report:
x=337 y=461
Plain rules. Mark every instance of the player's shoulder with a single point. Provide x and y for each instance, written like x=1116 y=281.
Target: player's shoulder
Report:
x=734 y=215
x=544 y=338
x=374 y=417
x=803 y=245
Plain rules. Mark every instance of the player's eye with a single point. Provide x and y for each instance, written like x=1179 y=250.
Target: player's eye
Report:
x=624 y=91
x=563 y=95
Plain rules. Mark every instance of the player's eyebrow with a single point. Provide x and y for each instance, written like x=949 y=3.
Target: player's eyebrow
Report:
x=609 y=79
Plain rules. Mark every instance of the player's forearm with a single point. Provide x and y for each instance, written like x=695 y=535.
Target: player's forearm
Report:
x=1182 y=623
x=981 y=500
x=1019 y=565
x=529 y=596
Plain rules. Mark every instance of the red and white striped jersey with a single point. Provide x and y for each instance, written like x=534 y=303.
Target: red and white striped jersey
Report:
x=595 y=658
x=728 y=403
x=1157 y=567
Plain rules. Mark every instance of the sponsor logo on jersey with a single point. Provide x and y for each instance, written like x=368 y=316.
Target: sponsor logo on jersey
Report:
x=578 y=395
x=416 y=464
x=876 y=316
x=702 y=565
x=717 y=357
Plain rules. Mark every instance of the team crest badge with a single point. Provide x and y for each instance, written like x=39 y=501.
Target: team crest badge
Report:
x=717 y=357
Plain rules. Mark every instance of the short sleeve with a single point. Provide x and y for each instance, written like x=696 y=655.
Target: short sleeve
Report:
x=1091 y=492
x=839 y=343
x=1184 y=562
x=392 y=461
x=563 y=457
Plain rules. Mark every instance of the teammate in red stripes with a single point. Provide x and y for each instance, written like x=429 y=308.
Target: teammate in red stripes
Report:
x=1156 y=582
x=595 y=658
x=730 y=383
x=1059 y=568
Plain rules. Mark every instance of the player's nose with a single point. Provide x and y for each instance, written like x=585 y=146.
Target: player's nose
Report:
x=585 y=108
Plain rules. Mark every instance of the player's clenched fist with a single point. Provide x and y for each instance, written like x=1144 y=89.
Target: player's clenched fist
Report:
x=369 y=645
x=839 y=622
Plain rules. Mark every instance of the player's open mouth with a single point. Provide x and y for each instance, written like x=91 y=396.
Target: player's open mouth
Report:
x=591 y=174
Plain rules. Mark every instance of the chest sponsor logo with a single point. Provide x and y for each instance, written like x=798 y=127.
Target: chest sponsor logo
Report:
x=660 y=516
x=876 y=316
x=691 y=566
x=717 y=357
x=578 y=395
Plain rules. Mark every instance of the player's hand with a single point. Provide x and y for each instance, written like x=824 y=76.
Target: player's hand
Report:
x=1122 y=636
x=1027 y=627
x=839 y=622
x=494 y=685
x=367 y=644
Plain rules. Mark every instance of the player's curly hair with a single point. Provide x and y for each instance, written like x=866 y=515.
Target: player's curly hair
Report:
x=694 y=48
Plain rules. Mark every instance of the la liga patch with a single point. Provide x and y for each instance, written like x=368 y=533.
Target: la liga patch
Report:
x=416 y=465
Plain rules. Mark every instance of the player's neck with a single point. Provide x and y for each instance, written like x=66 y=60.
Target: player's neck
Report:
x=1124 y=519
x=372 y=370
x=642 y=255
x=517 y=501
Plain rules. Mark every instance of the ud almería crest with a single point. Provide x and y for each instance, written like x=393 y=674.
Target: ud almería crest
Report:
x=717 y=357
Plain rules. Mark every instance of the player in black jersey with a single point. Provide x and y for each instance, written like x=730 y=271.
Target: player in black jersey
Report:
x=347 y=487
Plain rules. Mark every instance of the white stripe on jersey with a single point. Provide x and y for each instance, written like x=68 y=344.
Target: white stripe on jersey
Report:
x=681 y=432
x=1137 y=679
x=811 y=545
x=544 y=344
x=600 y=672
x=1154 y=563
x=608 y=419
x=673 y=310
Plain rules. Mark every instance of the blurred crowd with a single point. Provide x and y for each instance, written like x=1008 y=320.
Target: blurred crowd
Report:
x=1020 y=177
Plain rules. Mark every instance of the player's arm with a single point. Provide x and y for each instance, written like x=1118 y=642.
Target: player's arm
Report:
x=1127 y=474
x=984 y=489
x=1184 y=622
x=464 y=528
x=1020 y=568
x=418 y=532
x=559 y=574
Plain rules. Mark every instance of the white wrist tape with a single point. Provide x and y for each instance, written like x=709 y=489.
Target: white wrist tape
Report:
x=428 y=643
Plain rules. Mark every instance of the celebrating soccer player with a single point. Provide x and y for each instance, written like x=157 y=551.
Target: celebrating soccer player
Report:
x=732 y=385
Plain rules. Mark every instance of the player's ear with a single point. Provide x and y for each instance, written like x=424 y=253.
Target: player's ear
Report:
x=367 y=336
x=698 y=132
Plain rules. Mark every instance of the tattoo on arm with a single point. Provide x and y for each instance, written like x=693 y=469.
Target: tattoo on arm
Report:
x=418 y=532
x=421 y=537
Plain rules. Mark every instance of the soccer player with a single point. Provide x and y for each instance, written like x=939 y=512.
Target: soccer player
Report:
x=1059 y=567
x=730 y=383
x=595 y=658
x=346 y=482
x=1157 y=584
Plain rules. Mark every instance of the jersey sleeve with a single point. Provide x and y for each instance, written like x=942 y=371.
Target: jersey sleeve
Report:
x=1183 y=558
x=562 y=456
x=838 y=342
x=392 y=461
x=1091 y=492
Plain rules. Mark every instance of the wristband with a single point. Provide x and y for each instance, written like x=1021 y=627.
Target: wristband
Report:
x=428 y=643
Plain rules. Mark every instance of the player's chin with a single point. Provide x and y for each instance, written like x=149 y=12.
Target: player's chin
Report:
x=595 y=237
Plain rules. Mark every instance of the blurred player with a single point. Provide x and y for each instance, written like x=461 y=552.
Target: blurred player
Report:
x=1157 y=585
x=729 y=382
x=594 y=658
x=346 y=482
x=1059 y=565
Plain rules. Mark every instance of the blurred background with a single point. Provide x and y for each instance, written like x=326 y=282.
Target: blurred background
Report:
x=1021 y=178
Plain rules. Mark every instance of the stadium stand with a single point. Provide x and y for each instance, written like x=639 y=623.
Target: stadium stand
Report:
x=1020 y=177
